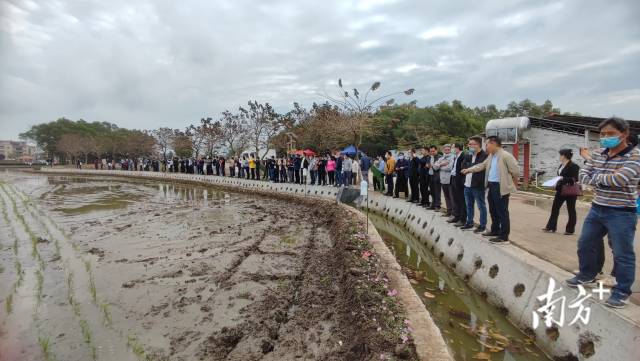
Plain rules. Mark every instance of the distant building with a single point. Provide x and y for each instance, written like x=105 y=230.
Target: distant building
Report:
x=17 y=150
x=536 y=141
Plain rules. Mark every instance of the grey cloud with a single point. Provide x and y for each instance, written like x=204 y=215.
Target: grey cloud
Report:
x=144 y=64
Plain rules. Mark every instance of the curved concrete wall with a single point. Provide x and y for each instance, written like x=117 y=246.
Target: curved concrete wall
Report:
x=427 y=337
x=513 y=279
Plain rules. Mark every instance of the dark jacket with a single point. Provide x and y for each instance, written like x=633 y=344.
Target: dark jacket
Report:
x=436 y=172
x=569 y=175
x=402 y=167
x=414 y=167
x=477 y=179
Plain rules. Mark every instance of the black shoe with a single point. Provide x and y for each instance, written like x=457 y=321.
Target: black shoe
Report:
x=437 y=209
x=548 y=230
x=445 y=215
x=499 y=240
x=460 y=224
x=396 y=197
x=479 y=230
x=467 y=226
x=409 y=201
x=568 y=233
x=490 y=234
x=452 y=220
x=431 y=208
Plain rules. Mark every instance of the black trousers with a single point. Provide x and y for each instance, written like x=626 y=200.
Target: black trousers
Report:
x=389 y=179
x=297 y=175
x=448 y=198
x=435 y=190
x=459 y=205
x=552 y=224
x=401 y=185
x=499 y=211
x=424 y=189
x=413 y=183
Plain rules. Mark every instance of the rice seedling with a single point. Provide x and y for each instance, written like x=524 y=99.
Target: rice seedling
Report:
x=20 y=273
x=57 y=249
x=8 y=303
x=39 y=283
x=106 y=313
x=136 y=347
x=86 y=335
x=45 y=347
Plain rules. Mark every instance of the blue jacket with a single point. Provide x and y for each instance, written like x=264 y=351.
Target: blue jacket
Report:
x=365 y=163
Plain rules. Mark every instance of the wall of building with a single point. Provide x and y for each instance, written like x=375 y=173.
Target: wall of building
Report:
x=545 y=144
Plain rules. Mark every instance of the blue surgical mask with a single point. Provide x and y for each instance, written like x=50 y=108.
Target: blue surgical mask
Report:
x=609 y=142
x=401 y=157
x=472 y=150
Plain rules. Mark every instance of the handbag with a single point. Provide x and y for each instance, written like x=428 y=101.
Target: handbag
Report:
x=571 y=190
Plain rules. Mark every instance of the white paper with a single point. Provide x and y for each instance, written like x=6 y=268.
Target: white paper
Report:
x=551 y=182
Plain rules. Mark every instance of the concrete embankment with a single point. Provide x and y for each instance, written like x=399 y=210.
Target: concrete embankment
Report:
x=514 y=280
x=428 y=340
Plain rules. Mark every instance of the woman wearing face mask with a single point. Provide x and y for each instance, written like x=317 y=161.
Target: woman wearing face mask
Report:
x=569 y=172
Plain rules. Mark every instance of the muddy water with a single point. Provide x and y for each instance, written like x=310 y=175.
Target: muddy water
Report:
x=473 y=328
x=98 y=268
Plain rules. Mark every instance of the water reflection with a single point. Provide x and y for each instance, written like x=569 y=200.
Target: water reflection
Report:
x=472 y=327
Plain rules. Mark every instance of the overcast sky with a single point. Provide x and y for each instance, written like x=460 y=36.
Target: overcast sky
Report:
x=145 y=64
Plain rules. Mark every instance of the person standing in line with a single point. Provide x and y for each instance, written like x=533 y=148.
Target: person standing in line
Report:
x=346 y=171
x=339 y=160
x=331 y=169
x=305 y=169
x=501 y=177
x=569 y=172
x=355 y=169
x=365 y=165
x=222 y=163
x=378 y=173
x=313 y=169
x=322 y=171
x=290 y=169
x=614 y=173
x=414 y=170
x=434 y=178
x=252 y=167
x=389 y=168
x=444 y=166
x=423 y=178
x=474 y=188
x=402 y=168
x=459 y=214
x=297 y=164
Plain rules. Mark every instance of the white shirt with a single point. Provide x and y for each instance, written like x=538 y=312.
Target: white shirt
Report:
x=467 y=180
x=453 y=168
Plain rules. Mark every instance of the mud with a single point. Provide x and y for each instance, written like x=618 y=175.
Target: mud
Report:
x=164 y=271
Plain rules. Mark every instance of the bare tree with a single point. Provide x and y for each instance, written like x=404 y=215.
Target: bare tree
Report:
x=73 y=145
x=358 y=108
x=233 y=132
x=263 y=124
x=163 y=136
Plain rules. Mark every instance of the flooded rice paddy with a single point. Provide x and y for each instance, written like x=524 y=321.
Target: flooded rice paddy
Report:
x=111 y=269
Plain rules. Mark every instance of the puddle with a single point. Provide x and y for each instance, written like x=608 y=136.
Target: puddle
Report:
x=473 y=328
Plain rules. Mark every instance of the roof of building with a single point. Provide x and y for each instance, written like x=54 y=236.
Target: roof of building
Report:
x=574 y=124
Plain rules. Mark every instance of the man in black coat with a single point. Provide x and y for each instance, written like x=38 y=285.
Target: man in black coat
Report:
x=459 y=214
x=414 y=169
x=423 y=178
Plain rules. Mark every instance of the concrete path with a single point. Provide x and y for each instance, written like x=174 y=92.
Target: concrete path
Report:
x=529 y=214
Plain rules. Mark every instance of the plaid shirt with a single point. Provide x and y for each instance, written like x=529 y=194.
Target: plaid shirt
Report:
x=614 y=179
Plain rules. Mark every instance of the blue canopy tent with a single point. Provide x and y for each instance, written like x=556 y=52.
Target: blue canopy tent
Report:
x=350 y=151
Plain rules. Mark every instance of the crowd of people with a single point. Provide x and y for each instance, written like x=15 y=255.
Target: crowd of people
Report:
x=470 y=177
